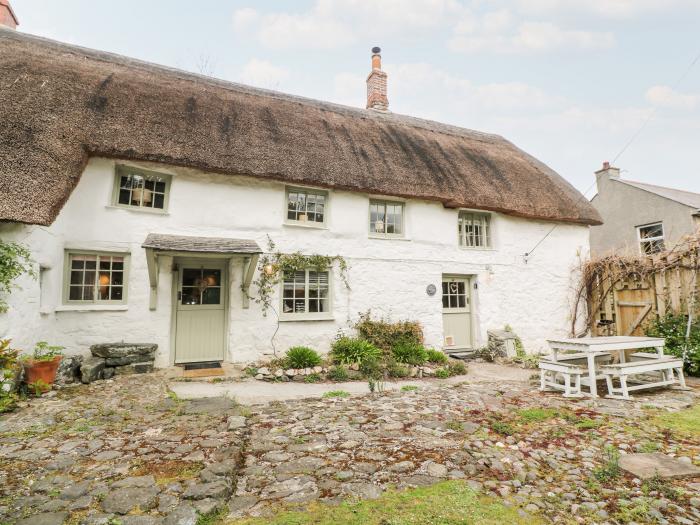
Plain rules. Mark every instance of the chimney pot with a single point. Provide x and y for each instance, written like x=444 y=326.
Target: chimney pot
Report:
x=7 y=15
x=606 y=165
x=376 y=84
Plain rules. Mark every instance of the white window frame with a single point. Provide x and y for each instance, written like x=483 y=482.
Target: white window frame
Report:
x=121 y=170
x=386 y=202
x=69 y=253
x=308 y=316
x=488 y=223
x=641 y=240
x=307 y=191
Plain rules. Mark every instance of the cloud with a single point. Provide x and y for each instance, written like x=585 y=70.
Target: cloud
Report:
x=244 y=18
x=666 y=97
x=263 y=74
x=614 y=9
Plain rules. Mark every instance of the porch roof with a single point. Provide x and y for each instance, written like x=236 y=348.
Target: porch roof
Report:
x=184 y=243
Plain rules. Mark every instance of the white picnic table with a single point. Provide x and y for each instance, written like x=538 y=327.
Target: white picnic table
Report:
x=595 y=346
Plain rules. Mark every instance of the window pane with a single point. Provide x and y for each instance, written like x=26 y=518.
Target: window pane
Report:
x=189 y=276
x=159 y=201
x=160 y=186
x=75 y=293
x=88 y=293
x=211 y=296
x=116 y=293
x=76 y=277
x=124 y=196
x=190 y=295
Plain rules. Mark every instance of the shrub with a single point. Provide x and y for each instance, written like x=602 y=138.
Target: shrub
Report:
x=384 y=334
x=397 y=370
x=8 y=356
x=312 y=378
x=371 y=368
x=673 y=328
x=435 y=356
x=43 y=351
x=338 y=373
x=409 y=353
x=15 y=260
x=348 y=350
x=302 y=357
x=457 y=368
x=443 y=373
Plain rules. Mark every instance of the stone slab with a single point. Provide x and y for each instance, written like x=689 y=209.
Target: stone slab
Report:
x=645 y=466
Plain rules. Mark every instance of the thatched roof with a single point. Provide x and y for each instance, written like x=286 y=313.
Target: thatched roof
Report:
x=61 y=104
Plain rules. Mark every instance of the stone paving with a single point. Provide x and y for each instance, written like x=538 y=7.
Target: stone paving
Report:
x=124 y=451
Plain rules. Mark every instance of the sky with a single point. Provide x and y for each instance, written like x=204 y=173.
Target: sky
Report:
x=571 y=82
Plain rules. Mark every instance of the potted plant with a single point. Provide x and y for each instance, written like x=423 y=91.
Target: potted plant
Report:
x=40 y=368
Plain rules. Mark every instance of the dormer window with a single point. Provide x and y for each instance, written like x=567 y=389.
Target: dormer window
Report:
x=306 y=207
x=474 y=230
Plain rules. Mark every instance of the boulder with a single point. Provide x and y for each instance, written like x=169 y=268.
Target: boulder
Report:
x=120 y=354
x=134 y=368
x=69 y=370
x=91 y=369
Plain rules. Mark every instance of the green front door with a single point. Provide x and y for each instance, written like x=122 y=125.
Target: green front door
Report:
x=201 y=311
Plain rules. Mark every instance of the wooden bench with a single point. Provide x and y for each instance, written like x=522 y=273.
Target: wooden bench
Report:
x=570 y=373
x=665 y=365
x=581 y=358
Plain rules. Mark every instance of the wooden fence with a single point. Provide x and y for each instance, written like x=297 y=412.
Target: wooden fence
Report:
x=623 y=298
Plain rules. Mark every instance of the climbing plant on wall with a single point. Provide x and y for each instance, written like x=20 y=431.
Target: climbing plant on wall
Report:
x=273 y=265
x=15 y=260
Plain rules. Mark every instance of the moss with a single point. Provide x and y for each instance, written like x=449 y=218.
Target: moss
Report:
x=450 y=502
x=336 y=393
x=685 y=422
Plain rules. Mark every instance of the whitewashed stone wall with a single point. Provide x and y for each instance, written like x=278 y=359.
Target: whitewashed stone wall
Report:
x=388 y=276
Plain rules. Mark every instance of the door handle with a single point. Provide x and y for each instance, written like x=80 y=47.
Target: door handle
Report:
x=179 y=296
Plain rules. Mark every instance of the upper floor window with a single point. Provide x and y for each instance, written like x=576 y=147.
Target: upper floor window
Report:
x=137 y=188
x=306 y=206
x=95 y=277
x=651 y=238
x=474 y=230
x=306 y=293
x=386 y=218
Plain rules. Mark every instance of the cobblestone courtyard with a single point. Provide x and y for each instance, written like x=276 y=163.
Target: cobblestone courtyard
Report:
x=128 y=451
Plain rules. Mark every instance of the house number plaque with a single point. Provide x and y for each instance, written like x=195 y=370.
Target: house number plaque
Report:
x=430 y=290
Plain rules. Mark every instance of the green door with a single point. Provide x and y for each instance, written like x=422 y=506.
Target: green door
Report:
x=201 y=312
x=456 y=313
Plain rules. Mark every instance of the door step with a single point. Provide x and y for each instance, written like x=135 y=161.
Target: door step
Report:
x=199 y=366
x=461 y=354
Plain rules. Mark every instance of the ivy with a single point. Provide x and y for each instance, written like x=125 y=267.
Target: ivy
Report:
x=273 y=265
x=15 y=260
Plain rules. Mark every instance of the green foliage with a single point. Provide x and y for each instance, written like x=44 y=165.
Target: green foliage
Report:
x=457 y=368
x=457 y=426
x=336 y=393
x=349 y=350
x=610 y=469
x=397 y=370
x=375 y=385
x=39 y=387
x=658 y=484
x=530 y=415
x=214 y=517
x=673 y=328
x=409 y=388
x=43 y=351
x=273 y=266
x=8 y=402
x=503 y=428
x=409 y=353
x=685 y=422
x=385 y=334
x=15 y=260
x=442 y=373
x=312 y=378
x=587 y=424
x=649 y=446
x=338 y=374
x=372 y=368
x=435 y=356
x=302 y=357
x=8 y=356
x=449 y=502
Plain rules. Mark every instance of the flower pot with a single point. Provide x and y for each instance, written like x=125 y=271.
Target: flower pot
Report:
x=44 y=371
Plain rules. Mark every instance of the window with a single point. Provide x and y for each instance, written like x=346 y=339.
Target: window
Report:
x=454 y=294
x=474 y=230
x=306 y=206
x=306 y=293
x=136 y=188
x=95 y=277
x=201 y=286
x=386 y=218
x=651 y=238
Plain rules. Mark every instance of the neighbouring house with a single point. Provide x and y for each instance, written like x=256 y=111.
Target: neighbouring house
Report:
x=640 y=218
x=147 y=195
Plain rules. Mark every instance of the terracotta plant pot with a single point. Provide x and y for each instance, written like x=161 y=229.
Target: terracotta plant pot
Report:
x=44 y=371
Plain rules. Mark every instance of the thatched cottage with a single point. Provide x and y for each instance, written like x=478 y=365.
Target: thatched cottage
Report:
x=147 y=195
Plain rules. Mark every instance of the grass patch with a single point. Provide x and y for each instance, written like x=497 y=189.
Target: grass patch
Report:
x=336 y=393
x=610 y=469
x=450 y=502
x=504 y=429
x=685 y=422
x=533 y=415
x=214 y=517
x=587 y=424
x=649 y=446
x=168 y=471
x=312 y=378
x=409 y=388
x=457 y=426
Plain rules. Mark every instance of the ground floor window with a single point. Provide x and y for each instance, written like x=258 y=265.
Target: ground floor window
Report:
x=305 y=292
x=93 y=277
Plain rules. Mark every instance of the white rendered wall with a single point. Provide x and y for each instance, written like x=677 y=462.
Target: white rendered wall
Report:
x=388 y=276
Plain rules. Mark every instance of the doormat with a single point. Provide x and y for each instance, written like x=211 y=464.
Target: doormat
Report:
x=207 y=364
x=210 y=369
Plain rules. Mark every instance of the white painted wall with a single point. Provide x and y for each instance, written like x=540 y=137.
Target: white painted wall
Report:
x=388 y=276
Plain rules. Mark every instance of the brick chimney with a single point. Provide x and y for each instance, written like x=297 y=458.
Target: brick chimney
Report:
x=376 y=84
x=7 y=15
